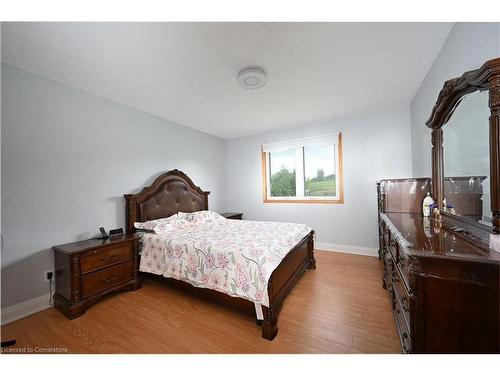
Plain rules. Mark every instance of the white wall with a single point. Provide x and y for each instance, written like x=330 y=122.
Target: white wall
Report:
x=468 y=46
x=67 y=159
x=375 y=146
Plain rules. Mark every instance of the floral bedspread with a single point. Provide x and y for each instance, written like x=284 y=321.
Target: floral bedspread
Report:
x=236 y=257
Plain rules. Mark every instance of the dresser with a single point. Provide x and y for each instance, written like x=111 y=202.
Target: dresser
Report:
x=443 y=284
x=86 y=271
x=442 y=273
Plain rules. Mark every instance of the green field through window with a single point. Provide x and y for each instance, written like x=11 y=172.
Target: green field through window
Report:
x=323 y=188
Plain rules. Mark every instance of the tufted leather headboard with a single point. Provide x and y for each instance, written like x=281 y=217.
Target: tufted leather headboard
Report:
x=170 y=193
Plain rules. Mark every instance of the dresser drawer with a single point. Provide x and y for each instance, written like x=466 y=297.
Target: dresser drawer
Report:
x=101 y=280
x=387 y=259
x=96 y=259
x=382 y=242
x=386 y=235
x=403 y=331
x=402 y=299
x=403 y=264
x=401 y=312
x=393 y=247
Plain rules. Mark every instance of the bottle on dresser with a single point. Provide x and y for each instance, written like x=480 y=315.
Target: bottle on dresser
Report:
x=428 y=201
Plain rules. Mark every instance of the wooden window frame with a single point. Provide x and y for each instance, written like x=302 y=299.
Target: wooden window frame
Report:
x=340 y=185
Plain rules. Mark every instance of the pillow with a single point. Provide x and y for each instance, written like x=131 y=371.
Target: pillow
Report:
x=212 y=216
x=199 y=217
x=152 y=224
x=171 y=225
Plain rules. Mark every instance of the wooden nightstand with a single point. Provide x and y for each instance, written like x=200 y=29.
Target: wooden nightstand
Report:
x=88 y=270
x=233 y=215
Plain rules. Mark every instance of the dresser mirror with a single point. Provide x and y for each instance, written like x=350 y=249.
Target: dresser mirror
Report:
x=465 y=123
x=466 y=160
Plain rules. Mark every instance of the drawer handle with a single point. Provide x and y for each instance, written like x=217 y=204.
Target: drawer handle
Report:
x=115 y=275
x=103 y=258
x=404 y=304
x=394 y=278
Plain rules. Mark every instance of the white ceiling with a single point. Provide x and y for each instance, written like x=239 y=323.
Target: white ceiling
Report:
x=186 y=72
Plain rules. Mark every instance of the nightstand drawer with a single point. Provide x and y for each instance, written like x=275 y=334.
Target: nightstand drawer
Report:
x=101 y=280
x=96 y=259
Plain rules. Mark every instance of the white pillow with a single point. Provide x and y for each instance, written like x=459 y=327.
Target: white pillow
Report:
x=199 y=217
x=172 y=225
x=152 y=224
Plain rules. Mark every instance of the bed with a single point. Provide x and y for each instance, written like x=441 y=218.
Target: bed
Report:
x=174 y=192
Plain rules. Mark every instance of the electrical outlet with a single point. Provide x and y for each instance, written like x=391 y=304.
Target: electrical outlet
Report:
x=46 y=276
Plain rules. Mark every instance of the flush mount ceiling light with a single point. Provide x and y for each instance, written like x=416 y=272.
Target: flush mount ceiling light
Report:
x=252 y=78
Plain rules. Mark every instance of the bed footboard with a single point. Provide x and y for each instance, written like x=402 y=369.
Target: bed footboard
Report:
x=282 y=281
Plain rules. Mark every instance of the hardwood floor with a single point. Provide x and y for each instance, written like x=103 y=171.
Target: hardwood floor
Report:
x=338 y=308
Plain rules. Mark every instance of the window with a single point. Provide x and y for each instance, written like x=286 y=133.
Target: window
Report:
x=305 y=170
x=282 y=166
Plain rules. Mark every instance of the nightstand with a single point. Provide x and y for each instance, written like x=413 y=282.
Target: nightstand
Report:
x=233 y=215
x=89 y=270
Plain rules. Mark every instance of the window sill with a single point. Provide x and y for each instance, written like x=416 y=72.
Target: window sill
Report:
x=313 y=201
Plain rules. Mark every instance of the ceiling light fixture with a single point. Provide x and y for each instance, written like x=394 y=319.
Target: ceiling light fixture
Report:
x=252 y=78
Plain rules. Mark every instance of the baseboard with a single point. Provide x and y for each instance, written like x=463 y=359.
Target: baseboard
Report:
x=358 y=250
x=24 y=309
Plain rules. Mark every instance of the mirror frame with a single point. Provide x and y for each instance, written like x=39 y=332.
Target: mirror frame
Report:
x=486 y=78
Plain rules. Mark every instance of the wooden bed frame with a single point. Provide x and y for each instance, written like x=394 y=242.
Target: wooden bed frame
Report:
x=174 y=192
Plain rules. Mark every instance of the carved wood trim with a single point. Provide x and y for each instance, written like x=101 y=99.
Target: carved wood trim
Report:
x=454 y=90
x=437 y=166
x=75 y=279
x=494 y=104
x=132 y=200
x=161 y=180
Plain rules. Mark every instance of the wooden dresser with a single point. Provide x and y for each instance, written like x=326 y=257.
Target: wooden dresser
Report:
x=443 y=284
x=443 y=272
x=89 y=270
